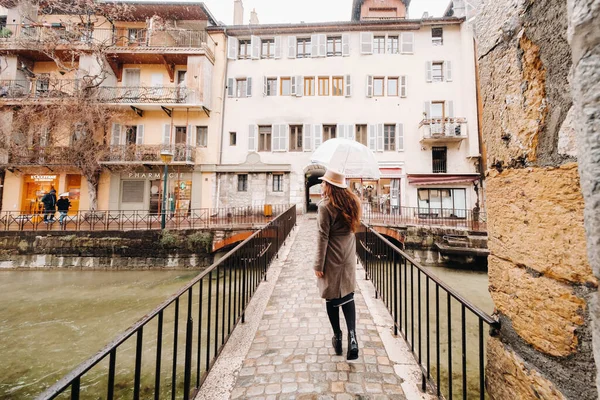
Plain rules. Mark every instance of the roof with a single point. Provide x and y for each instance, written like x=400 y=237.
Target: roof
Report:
x=357 y=4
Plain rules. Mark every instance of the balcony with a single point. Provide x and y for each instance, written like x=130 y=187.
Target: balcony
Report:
x=443 y=130
x=39 y=89
x=149 y=154
x=31 y=156
x=147 y=95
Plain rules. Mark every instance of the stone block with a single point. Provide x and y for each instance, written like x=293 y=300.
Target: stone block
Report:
x=544 y=312
x=535 y=219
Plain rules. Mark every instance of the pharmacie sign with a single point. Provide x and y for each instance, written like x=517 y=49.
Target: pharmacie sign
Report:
x=43 y=178
x=154 y=175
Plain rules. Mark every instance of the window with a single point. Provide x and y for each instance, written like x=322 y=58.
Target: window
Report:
x=242 y=182
x=264 y=138
x=130 y=135
x=439 y=156
x=232 y=138
x=323 y=86
x=389 y=137
x=437 y=72
x=277 y=183
x=437 y=36
x=437 y=110
x=136 y=36
x=296 y=138
x=245 y=50
x=334 y=46
x=442 y=203
x=392 y=87
x=337 y=88
x=303 y=48
x=379 y=45
x=201 y=136
x=378 y=85
x=361 y=134
x=79 y=132
x=329 y=132
x=392 y=45
x=271 y=86
x=268 y=48
x=286 y=87
x=309 y=86
x=132 y=191
x=241 y=89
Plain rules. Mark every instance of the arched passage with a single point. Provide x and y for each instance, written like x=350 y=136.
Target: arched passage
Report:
x=312 y=173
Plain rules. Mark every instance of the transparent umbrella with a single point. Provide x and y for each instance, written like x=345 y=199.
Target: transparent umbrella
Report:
x=348 y=157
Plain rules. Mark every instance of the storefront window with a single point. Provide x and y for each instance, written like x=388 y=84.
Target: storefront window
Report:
x=380 y=196
x=444 y=203
x=34 y=188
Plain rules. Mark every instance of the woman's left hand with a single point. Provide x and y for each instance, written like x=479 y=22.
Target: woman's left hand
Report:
x=319 y=274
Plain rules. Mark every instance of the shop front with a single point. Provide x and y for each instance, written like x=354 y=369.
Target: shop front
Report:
x=381 y=195
x=35 y=186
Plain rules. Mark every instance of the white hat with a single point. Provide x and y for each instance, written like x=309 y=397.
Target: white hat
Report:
x=335 y=178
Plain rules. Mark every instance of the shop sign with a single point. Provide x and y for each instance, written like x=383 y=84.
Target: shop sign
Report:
x=154 y=175
x=43 y=178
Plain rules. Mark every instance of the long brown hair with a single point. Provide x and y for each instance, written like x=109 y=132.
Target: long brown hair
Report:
x=347 y=203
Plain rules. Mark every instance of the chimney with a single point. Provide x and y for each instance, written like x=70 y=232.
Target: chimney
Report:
x=425 y=15
x=254 y=17
x=238 y=12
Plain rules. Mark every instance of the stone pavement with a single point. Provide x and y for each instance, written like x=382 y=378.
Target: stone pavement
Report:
x=289 y=353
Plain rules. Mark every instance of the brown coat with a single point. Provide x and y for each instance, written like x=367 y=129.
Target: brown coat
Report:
x=336 y=254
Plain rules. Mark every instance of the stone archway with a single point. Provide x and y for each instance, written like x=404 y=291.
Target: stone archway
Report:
x=312 y=173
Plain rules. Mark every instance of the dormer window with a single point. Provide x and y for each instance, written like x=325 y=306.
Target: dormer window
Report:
x=437 y=36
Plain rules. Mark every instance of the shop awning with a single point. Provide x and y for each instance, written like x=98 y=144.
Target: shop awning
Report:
x=391 y=172
x=441 y=179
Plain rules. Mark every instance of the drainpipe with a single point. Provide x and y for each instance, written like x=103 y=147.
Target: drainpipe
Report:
x=221 y=139
x=482 y=152
x=2 y=173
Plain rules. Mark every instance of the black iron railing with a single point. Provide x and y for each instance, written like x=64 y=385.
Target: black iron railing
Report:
x=147 y=153
x=122 y=220
x=445 y=332
x=135 y=363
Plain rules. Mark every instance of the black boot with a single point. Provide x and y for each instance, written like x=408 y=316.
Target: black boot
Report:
x=336 y=341
x=352 y=346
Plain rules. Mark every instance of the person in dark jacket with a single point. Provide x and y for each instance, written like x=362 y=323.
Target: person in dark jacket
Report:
x=335 y=264
x=49 y=201
x=63 y=204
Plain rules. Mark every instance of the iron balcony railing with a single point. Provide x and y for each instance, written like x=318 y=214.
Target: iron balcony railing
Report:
x=135 y=363
x=149 y=153
x=37 y=155
x=445 y=332
x=146 y=94
x=473 y=220
x=443 y=128
x=439 y=166
x=123 y=220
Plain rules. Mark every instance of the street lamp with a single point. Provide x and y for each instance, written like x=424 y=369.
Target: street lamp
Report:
x=166 y=156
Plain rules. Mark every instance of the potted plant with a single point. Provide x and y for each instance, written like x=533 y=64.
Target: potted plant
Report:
x=5 y=33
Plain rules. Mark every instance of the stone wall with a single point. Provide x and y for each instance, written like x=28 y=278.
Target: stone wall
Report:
x=259 y=191
x=540 y=278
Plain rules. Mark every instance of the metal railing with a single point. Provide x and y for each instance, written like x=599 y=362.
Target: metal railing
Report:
x=456 y=218
x=38 y=155
x=119 y=220
x=440 y=128
x=445 y=332
x=215 y=303
x=439 y=166
x=150 y=153
x=146 y=94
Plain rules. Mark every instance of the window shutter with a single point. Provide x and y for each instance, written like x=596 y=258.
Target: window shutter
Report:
x=233 y=45
x=292 y=45
x=348 y=86
x=166 y=139
x=428 y=72
x=408 y=45
x=341 y=131
x=255 y=44
x=314 y=45
x=400 y=137
x=371 y=137
x=403 y=86
x=450 y=105
x=192 y=135
x=299 y=86
x=230 y=87
x=322 y=45
x=278 y=47
x=44 y=136
x=188 y=134
x=318 y=135
x=293 y=87
x=350 y=132
x=369 y=85
x=139 y=138
x=366 y=43
x=379 y=137
x=252 y=131
x=264 y=85
x=116 y=135
x=448 y=65
x=285 y=137
x=426 y=109
x=275 y=138
x=345 y=45
x=248 y=87
x=307 y=138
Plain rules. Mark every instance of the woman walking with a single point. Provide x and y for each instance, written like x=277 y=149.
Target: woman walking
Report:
x=335 y=265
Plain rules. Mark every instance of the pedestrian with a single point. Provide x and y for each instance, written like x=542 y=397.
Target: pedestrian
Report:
x=335 y=264
x=63 y=204
x=49 y=201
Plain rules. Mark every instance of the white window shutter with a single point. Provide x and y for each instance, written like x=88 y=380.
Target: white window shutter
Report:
x=188 y=139
x=278 y=47
x=407 y=43
x=292 y=46
x=341 y=131
x=345 y=45
x=275 y=138
x=233 y=45
x=299 y=86
x=166 y=139
x=403 y=86
x=366 y=43
x=230 y=87
x=139 y=137
x=369 y=85
x=379 y=137
x=322 y=45
x=450 y=105
x=350 y=132
x=400 y=137
x=372 y=137
x=265 y=85
x=192 y=135
x=255 y=44
x=428 y=71
x=116 y=135
x=285 y=138
x=293 y=87
x=348 y=86
x=448 y=65
x=252 y=139
x=307 y=137
x=248 y=87
x=426 y=110
x=314 y=45
x=318 y=135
